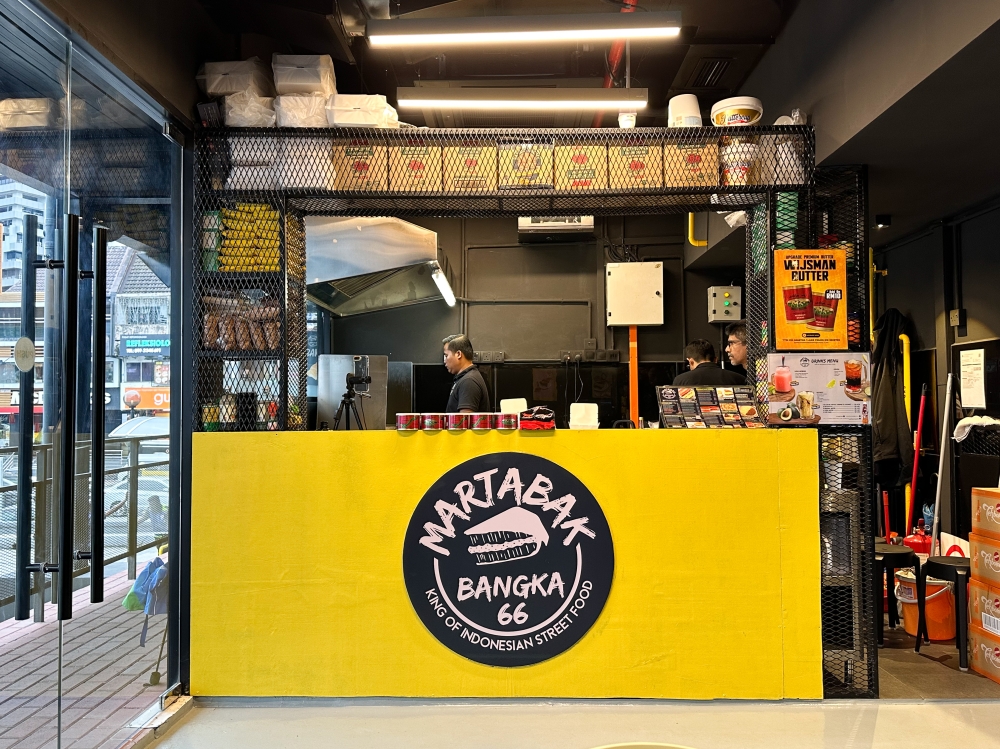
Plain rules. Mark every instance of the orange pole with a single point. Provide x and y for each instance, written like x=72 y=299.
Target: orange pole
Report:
x=633 y=374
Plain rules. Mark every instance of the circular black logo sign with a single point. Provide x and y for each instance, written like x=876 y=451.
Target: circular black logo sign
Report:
x=508 y=559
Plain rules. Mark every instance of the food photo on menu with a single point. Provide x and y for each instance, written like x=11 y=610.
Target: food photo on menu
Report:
x=809 y=389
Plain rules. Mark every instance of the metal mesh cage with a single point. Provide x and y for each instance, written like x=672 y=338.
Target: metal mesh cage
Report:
x=850 y=657
x=254 y=187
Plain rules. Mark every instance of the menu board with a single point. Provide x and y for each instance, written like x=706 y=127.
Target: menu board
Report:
x=807 y=389
x=707 y=407
x=810 y=300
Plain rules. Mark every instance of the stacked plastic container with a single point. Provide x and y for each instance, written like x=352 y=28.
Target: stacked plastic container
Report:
x=984 y=588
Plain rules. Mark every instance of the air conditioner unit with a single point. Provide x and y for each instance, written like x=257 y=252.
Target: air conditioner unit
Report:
x=533 y=229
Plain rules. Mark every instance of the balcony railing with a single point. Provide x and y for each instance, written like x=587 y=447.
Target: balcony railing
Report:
x=136 y=503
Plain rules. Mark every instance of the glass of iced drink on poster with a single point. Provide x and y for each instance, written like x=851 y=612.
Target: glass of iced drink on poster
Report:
x=824 y=312
x=806 y=399
x=798 y=303
x=783 y=379
x=854 y=369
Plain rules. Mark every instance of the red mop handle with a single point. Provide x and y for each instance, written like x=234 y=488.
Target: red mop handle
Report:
x=916 y=454
x=885 y=510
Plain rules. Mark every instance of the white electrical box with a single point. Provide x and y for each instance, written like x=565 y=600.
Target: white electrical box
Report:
x=725 y=303
x=634 y=293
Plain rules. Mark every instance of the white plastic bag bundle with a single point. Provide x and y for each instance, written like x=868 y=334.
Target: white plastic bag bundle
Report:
x=360 y=110
x=301 y=110
x=304 y=74
x=246 y=109
x=225 y=78
x=28 y=113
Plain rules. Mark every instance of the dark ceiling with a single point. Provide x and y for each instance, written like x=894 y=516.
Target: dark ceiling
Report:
x=930 y=154
x=722 y=41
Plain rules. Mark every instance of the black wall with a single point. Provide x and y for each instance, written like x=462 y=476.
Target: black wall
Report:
x=533 y=301
x=952 y=265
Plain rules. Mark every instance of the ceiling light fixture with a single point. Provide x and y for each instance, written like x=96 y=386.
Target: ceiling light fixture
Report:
x=522 y=99
x=882 y=220
x=582 y=27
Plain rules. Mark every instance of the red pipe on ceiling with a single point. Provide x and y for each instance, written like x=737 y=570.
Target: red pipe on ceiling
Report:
x=615 y=55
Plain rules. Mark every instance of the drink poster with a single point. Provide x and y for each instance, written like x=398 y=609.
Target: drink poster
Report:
x=810 y=300
x=707 y=407
x=810 y=389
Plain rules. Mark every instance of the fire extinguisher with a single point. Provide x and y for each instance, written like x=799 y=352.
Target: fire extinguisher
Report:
x=919 y=541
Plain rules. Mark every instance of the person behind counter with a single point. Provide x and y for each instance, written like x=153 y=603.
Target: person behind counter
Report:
x=700 y=355
x=736 y=344
x=469 y=393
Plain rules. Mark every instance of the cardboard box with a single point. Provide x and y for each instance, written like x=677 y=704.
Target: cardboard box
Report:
x=984 y=558
x=635 y=166
x=470 y=168
x=986 y=512
x=984 y=606
x=580 y=167
x=984 y=653
x=695 y=165
x=361 y=165
x=525 y=166
x=415 y=167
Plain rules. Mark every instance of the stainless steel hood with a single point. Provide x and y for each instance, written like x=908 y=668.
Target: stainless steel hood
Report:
x=357 y=265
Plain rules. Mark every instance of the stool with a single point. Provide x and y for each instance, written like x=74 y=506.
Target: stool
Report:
x=955 y=570
x=888 y=559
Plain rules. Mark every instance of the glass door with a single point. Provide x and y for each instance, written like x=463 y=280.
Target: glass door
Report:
x=89 y=208
x=34 y=197
x=124 y=187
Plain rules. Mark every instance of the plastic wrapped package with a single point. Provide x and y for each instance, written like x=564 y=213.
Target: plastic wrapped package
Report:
x=307 y=163
x=360 y=110
x=28 y=113
x=226 y=78
x=253 y=178
x=301 y=110
x=246 y=109
x=304 y=74
x=248 y=151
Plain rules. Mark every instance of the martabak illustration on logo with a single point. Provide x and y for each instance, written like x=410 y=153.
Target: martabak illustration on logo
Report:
x=508 y=559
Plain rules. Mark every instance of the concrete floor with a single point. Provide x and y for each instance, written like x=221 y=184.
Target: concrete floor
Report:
x=931 y=674
x=402 y=724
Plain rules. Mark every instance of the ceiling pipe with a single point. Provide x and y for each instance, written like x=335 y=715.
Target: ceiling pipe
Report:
x=615 y=55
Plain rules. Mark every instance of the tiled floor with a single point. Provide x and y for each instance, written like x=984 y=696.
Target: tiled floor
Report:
x=931 y=674
x=383 y=724
x=104 y=673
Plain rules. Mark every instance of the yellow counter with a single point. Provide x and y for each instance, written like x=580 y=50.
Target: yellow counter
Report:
x=297 y=585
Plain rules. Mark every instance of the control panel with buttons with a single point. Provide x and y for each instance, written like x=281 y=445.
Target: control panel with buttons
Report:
x=725 y=303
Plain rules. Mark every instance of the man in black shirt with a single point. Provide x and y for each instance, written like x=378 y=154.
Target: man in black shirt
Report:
x=700 y=355
x=468 y=394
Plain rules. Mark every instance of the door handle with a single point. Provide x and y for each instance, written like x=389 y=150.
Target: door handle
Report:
x=67 y=460
x=99 y=275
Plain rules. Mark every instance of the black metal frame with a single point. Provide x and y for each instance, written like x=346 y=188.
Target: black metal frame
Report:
x=834 y=195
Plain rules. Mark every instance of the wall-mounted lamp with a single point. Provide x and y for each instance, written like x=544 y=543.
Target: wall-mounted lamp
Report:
x=882 y=220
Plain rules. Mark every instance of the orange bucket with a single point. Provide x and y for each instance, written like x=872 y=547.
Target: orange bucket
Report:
x=939 y=606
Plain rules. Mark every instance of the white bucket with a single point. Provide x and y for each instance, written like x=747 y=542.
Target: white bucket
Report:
x=738 y=110
x=737 y=164
x=684 y=111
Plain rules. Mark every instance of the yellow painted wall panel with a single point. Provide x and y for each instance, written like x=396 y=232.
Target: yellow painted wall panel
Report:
x=297 y=584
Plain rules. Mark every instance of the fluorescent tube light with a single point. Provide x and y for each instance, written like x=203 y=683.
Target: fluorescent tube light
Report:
x=443 y=286
x=582 y=27
x=522 y=99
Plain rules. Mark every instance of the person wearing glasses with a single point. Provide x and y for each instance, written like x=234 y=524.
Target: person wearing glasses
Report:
x=468 y=393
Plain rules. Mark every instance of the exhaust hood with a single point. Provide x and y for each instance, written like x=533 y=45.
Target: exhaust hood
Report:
x=357 y=265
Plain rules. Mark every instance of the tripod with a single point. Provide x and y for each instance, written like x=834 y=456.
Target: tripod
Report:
x=347 y=407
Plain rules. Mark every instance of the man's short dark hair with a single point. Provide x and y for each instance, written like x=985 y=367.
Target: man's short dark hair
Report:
x=459 y=342
x=738 y=329
x=700 y=350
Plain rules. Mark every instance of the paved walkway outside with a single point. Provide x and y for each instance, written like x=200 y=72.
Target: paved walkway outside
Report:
x=104 y=673
x=581 y=724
